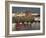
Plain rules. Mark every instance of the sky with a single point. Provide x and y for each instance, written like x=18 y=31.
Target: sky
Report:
x=24 y=9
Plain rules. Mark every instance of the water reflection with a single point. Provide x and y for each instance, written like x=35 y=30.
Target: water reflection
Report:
x=26 y=26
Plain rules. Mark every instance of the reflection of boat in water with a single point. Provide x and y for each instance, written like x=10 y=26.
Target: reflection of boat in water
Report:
x=23 y=26
x=20 y=26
